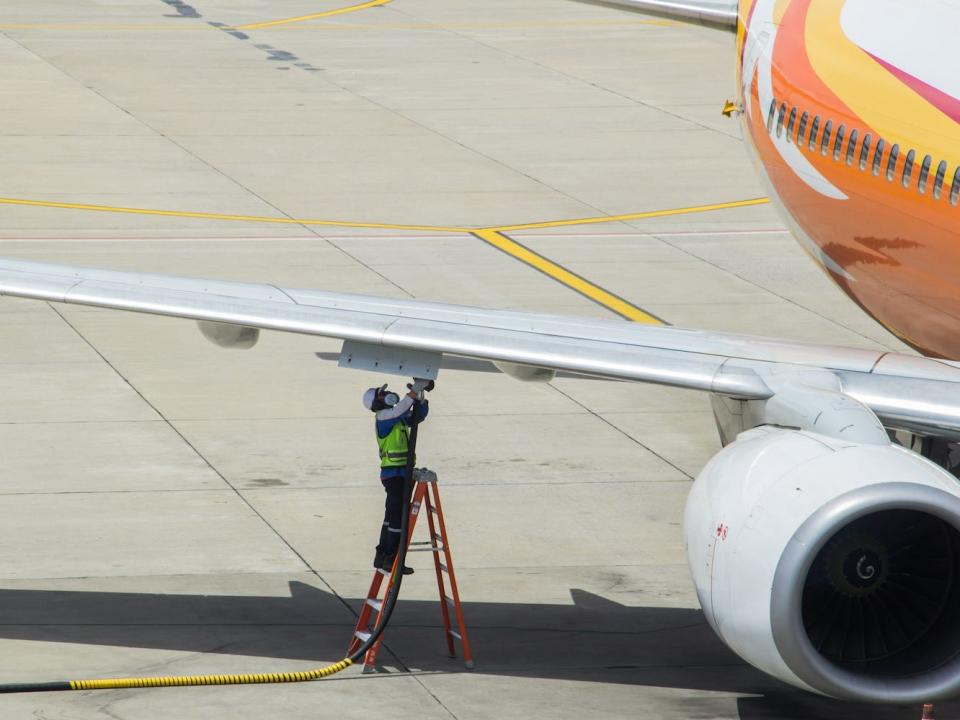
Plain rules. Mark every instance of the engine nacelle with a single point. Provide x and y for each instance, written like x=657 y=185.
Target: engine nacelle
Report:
x=226 y=335
x=831 y=565
x=526 y=373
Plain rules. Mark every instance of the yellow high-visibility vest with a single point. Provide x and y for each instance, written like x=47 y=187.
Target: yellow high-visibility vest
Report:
x=395 y=447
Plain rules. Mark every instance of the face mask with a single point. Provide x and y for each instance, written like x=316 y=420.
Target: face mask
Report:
x=391 y=399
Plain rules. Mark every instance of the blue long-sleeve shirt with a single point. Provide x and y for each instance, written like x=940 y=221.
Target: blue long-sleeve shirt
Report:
x=402 y=412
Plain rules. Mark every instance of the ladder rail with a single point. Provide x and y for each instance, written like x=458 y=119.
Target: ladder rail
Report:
x=370 y=656
x=363 y=621
x=461 y=623
x=444 y=610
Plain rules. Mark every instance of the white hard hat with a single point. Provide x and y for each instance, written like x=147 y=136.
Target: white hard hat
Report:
x=369 y=396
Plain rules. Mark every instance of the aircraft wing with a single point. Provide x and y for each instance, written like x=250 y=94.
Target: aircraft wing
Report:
x=904 y=391
x=721 y=14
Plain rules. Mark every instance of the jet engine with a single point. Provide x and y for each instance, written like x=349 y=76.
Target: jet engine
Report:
x=832 y=565
x=229 y=336
x=526 y=373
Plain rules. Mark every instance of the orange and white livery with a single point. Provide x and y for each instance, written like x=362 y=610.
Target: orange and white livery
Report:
x=852 y=109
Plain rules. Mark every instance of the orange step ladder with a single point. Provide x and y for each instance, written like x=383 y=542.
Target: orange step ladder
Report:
x=426 y=494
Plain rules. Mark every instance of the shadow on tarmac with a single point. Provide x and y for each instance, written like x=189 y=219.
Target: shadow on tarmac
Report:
x=592 y=640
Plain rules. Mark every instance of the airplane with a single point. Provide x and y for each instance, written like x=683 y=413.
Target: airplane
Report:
x=824 y=537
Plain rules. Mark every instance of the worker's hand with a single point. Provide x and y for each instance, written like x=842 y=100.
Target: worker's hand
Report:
x=419 y=385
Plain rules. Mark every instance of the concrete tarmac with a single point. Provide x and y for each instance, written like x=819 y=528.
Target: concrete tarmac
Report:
x=174 y=508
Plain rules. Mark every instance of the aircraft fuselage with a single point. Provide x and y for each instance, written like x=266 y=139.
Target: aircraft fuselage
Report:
x=851 y=111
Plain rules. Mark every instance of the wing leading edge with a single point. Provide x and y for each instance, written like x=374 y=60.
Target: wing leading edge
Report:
x=905 y=392
x=719 y=14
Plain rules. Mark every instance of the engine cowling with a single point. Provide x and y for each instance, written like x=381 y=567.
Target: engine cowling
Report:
x=831 y=565
x=226 y=335
x=526 y=373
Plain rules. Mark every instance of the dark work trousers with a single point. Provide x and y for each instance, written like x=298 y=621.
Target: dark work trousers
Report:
x=392 y=517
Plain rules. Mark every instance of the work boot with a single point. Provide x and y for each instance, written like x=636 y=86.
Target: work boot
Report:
x=388 y=565
x=378 y=559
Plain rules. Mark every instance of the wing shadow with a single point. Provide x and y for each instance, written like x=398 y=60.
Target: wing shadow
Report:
x=591 y=639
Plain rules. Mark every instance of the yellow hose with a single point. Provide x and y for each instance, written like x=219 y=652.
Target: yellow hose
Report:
x=255 y=678
x=182 y=681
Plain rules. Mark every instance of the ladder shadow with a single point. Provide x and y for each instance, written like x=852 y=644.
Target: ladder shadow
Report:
x=590 y=639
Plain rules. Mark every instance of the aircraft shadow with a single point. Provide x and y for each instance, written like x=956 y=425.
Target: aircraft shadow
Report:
x=591 y=639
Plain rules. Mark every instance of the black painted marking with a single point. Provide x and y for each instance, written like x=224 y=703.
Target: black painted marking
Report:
x=273 y=54
x=277 y=55
x=183 y=10
x=228 y=30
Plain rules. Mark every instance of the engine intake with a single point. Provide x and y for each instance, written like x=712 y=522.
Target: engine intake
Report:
x=880 y=587
x=874 y=580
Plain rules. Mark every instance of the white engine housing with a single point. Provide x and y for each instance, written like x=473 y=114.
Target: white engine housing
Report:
x=526 y=373
x=226 y=335
x=756 y=521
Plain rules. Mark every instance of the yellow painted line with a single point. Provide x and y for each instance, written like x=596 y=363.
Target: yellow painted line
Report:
x=103 y=26
x=493 y=236
x=176 y=26
x=634 y=216
x=192 y=26
x=314 y=16
x=519 y=24
x=221 y=216
x=379 y=226
x=566 y=277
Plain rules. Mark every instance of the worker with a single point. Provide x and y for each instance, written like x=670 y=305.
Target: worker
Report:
x=393 y=419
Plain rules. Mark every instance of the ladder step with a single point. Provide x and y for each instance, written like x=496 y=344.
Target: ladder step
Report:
x=444 y=568
x=455 y=634
x=375 y=604
x=432 y=509
x=450 y=601
x=426 y=549
x=361 y=636
x=385 y=573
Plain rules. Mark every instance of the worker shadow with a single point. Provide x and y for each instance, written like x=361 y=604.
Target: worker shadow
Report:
x=589 y=639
